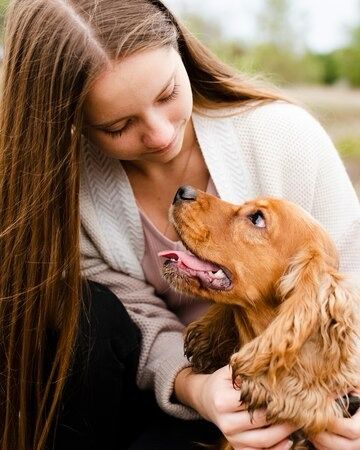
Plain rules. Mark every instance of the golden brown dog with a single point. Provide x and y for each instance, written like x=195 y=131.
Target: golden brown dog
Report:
x=283 y=315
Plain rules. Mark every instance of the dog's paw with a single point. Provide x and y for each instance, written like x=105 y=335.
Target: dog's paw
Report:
x=254 y=392
x=239 y=366
x=199 y=350
x=249 y=362
x=311 y=410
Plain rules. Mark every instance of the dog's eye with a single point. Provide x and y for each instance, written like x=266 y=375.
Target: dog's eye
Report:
x=258 y=219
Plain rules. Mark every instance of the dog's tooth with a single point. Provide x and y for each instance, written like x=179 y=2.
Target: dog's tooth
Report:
x=219 y=274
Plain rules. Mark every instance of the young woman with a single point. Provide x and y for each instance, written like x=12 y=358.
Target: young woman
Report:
x=107 y=108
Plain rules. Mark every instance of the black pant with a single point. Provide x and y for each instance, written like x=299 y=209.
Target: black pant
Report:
x=102 y=408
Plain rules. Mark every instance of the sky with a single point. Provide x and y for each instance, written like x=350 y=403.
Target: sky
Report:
x=325 y=22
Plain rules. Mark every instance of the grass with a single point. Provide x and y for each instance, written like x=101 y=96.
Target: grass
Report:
x=349 y=146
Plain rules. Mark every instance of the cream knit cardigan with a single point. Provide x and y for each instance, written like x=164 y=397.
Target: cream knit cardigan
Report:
x=276 y=149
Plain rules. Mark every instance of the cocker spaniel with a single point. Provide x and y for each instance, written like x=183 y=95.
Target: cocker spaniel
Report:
x=283 y=316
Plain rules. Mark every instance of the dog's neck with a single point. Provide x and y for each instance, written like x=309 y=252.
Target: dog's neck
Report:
x=252 y=321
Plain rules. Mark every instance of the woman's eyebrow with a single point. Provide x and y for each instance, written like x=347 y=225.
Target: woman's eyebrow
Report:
x=113 y=122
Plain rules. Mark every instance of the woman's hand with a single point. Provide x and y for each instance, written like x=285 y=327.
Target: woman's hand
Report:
x=215 y=398
x=344 y=434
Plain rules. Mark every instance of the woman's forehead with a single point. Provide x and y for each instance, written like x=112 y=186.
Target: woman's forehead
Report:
x=131 y=82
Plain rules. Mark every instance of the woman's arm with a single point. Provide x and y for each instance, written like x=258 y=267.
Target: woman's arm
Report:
x=162 y=354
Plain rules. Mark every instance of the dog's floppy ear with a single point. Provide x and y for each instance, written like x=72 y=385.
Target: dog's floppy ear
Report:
x=315 y=294
x=211 y=340
x=313 y=300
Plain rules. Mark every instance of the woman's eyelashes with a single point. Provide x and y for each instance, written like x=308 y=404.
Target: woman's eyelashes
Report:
x=171 y=96
x=118 y=133
x=166 y=99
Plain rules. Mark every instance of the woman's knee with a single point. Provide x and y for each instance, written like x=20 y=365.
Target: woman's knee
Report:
x=105 y=317
x=102 y=380
x=108 y=345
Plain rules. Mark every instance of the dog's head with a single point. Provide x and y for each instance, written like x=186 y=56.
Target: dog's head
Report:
x=240 y=252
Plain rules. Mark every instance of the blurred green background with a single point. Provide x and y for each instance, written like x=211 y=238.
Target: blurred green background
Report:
x=327 y=82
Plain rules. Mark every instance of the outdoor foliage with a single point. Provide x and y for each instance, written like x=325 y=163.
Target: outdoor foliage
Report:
x=280 y=52
x=349 y=59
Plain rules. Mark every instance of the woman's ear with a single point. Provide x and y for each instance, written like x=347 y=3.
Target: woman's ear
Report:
x=211 y=340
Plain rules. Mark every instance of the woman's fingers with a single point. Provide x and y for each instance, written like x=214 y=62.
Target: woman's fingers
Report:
x=343 y=434
x=347 y=427
x=242 y=432
x=264 y=437
x=330 y=441
x=238 y=422
x=286 y=444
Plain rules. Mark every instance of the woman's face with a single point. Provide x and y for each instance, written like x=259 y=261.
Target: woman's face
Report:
x=139 y=110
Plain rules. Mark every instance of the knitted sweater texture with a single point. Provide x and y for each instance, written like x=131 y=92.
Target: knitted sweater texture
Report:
x=276 y=149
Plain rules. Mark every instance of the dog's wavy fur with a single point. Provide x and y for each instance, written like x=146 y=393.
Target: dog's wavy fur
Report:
x=288 y=324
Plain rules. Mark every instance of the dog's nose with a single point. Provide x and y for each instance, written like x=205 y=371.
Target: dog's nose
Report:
x=185 y=193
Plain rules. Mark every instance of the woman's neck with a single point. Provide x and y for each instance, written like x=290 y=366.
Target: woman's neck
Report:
x=154 y=185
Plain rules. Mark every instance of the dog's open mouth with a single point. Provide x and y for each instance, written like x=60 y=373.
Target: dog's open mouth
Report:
x=210 y=275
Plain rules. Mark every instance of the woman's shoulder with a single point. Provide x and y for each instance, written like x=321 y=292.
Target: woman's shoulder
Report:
x=276 y=123
x=279 y=112
x=264 y=114
x=281 y=124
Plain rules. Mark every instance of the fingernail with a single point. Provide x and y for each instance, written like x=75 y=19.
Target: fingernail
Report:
x=288 y=445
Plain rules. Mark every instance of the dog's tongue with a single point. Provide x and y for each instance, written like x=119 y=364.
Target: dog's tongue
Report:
x=190 y=261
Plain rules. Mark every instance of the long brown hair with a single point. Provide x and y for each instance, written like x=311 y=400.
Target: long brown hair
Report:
x=54 y=50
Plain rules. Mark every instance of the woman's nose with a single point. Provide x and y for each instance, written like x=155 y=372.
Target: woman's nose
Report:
x=158 y=134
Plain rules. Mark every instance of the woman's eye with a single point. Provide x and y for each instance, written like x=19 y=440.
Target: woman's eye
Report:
x=258 y=219
x=114 y=134
x=172 y=96
x=118 y=133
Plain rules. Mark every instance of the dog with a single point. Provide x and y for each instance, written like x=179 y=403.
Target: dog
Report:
x=283 y=316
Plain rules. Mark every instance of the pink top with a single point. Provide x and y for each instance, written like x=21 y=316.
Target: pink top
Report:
x=185 y=307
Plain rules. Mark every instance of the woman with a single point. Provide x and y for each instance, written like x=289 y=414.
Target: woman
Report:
x=115 y=104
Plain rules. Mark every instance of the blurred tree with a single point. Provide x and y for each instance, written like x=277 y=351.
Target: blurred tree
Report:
x=207 y=31
x=328 y=62
x=274 y=24
x=280 y=52
x=210 y=33
x=349 y=59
